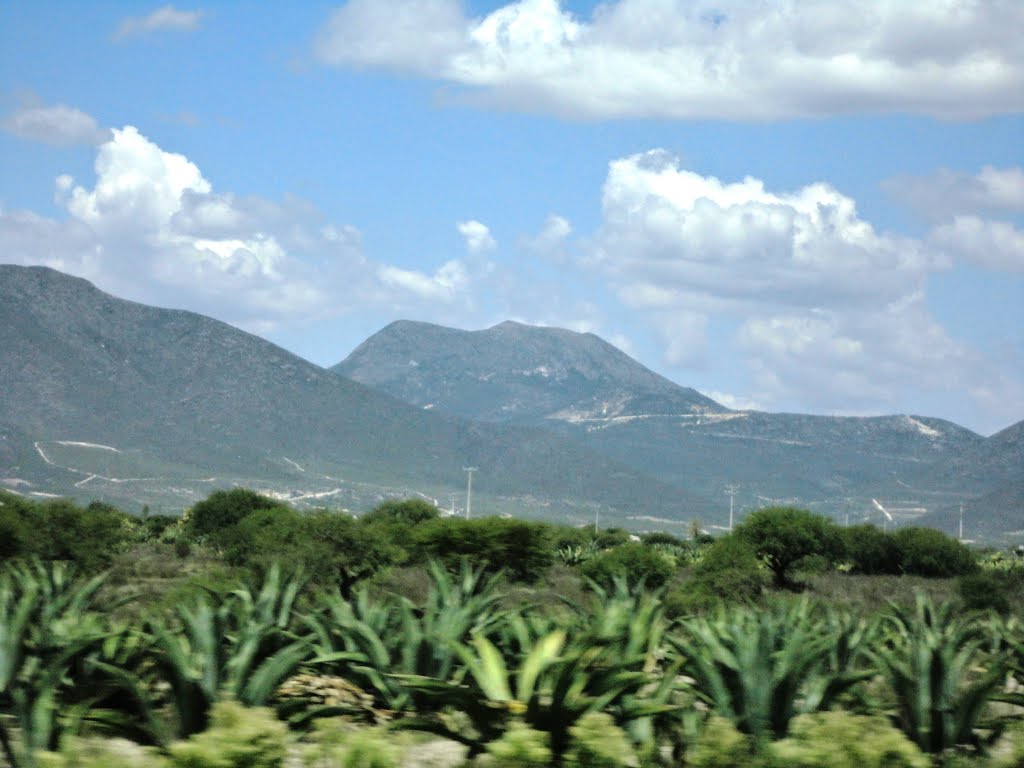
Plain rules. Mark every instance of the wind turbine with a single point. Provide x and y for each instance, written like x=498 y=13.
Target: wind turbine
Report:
x=469 y=489
x=887 y=519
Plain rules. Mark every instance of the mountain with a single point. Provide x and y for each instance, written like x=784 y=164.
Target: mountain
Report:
x=587 y=390
x=997 y=515
x=515 y=373
x=108 y=398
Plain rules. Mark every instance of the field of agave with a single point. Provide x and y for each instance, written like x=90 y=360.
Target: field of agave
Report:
x=278 y=674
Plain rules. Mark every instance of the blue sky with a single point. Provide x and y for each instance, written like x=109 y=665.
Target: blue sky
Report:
x=812 y=206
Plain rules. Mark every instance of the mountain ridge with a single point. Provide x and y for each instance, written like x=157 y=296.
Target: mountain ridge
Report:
x=184 y=397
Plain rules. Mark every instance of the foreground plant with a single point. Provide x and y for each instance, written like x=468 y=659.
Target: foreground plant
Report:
x=942 y=674
x=761 y=667
x=237 y=645
x=48 y=626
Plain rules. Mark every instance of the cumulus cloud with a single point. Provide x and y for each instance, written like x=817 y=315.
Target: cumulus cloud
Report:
x=670 y=237
x=153 y=228
x=745 y=60
x=477 y=236
x=58 y=124
x=995 y=245
x=551 y=238
x=443 y=285
x=166 y=17
x=946 y=193
x=827 y=311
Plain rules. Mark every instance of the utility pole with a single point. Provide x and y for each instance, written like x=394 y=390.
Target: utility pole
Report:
x=451 y=501
x=469 y=489
x=731 y=490
x=961 y=521
x=597 y=517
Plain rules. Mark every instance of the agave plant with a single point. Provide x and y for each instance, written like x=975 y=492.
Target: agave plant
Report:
x=237 y=645
x=375 y=644
x=760 y=668
x=46 y=625
x=942 y=670
x=550 y=685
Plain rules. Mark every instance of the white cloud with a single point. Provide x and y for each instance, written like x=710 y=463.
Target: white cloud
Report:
x=683 y=337
x=829 y=313
x=735 y=402
x=166 y=17
x=409 y=35
x=551 y=238
x=748 y=60
x=672 y=237
x=444 y=285
x=477 y=236
x=946 y=193
x=153 y=228
x=57 y=124
x=996 y=245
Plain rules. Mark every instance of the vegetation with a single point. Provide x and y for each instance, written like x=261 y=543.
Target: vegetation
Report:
x=250 y=634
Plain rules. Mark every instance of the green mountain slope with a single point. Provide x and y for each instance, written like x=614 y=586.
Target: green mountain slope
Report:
x=585 y=389
x=152 y=405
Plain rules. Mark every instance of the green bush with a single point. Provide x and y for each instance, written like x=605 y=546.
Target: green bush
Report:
x=521 y=747
x=871 y=551
x=721 y=745
x=522 y=549
x=238 y=737
x=597 y=742
x=407 y=511
x=222 y=510
x=927 y=552
x=984 y=591
x=101 y=753
x=844 y=740
x=338 y=745
x=635 y=562
x=729 y=571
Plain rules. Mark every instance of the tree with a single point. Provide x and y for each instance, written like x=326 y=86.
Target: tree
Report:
x=223 y=509
x=408 y=511
x=785 y=535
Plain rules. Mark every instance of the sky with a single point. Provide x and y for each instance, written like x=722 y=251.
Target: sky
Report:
x=812 y=206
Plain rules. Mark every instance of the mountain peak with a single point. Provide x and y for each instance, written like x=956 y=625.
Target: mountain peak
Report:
x=514 y=372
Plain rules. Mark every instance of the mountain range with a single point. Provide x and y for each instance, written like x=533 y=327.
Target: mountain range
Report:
x=587 y=390
x=105 y=398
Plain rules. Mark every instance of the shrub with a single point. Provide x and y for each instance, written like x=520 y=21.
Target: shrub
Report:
x=223 y=509
x=597 y=742
x=632 y=561
x=338 y=745
x=729 y=571
x=407 y=511
x=871 y=551
x=927 y=552
x=238 y=737
x=521 y=747
x=519 y=547
x=101 y=753
x=844 y=740
x=721 y=745
x=984 y=591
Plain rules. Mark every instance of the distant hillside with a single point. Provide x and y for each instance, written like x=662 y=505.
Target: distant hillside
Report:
x=514 y=372
x=581 y=387
x=116 y=399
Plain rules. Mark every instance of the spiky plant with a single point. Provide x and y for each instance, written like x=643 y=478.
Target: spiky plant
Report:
x=375 y=644
x=942 y=671
x=237 y=645
x=762 y=667
x=47 y=626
